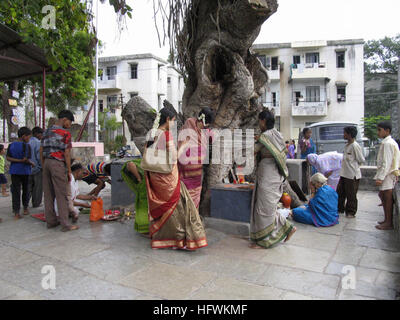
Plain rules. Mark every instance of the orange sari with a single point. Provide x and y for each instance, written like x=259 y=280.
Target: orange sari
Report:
x=174 y=219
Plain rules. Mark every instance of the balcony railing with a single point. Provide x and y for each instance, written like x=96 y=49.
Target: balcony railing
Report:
x=273 y=105
x=106 y=84
x=309 y=71
x=317 y=108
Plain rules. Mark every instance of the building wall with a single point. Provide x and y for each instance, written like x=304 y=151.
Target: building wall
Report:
x=353 y=73
x=151 y=83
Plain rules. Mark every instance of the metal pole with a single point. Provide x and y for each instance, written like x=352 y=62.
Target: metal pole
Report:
x=34 y=104
x=44 y=100
x=96 y=83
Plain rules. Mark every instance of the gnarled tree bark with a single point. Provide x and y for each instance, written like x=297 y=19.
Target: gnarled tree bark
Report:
x=213 y=49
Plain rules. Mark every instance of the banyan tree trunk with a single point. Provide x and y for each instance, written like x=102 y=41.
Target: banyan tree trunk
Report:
x=222 y=73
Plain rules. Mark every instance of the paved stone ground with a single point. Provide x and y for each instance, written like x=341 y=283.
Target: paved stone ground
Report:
x=108 y=260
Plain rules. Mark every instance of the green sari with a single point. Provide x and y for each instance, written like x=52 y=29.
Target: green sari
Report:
x=141 y=205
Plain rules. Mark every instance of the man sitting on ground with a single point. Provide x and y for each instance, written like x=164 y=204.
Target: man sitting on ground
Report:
x=78 y=200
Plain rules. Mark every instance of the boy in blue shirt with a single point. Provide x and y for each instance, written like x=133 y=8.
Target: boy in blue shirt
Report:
x=18 y=154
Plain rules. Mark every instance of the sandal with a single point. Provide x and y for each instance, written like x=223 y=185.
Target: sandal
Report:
x=70 y=228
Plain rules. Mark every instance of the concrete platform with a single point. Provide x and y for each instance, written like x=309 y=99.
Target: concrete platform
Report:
x=109 y=260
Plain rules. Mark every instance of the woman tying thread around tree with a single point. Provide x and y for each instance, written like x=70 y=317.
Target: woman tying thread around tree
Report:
x=267 y=226
x=194 y=151
x=174 y=220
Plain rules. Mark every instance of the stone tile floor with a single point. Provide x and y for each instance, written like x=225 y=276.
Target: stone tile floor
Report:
x=109 y=260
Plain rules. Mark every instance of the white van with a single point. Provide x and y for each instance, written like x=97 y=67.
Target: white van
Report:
x=328 y=136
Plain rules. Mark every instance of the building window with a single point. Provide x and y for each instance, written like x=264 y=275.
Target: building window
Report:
x=312 y=57
x=298 y=97
x=296 y=59
x=169 y=80
x=263 y=60
x=101 y=106
x=133 y=94
x=134 y=71
x=274 y=63
x=159 y=71
x=274 y=99
x=341 y=93
x=340 y=59
x=111 y=72
x=313 y=94
x=112 y=102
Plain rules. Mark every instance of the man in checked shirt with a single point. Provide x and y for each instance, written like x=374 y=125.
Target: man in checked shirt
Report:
x=55 y=153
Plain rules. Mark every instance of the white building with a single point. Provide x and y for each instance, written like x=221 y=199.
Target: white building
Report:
x=150 y=77
x=313 y=81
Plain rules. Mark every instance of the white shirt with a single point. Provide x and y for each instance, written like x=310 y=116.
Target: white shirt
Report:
x=388 y=161
x=352 y=159
x=74 y=185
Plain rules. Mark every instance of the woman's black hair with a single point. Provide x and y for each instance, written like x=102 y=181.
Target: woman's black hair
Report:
x=305 y=130
x=269 y=118
x=208 y=113
x=351 y=130
x=1 y=147
x=165 y=113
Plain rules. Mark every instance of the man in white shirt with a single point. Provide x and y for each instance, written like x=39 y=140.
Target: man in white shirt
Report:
x=77 y=200
x=350 y=174
x=388 y=163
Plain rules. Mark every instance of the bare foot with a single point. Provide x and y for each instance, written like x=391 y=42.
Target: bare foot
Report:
x=291 y=233
x=255 y=246
x=382 y=222
x=17 y=216
x=26 y=212
x=384 y=226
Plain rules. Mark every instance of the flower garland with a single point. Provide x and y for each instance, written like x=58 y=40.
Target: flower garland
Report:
x=202 y=118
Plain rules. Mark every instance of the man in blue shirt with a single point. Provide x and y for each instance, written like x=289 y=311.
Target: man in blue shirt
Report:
x=18 y=153
x=35 y=179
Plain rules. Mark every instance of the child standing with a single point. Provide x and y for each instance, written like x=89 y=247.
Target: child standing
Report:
x=18 y=154
x=3 y=179
x=350 y=174
x=386 y=177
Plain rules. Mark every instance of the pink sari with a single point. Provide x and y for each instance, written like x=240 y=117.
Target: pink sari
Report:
x=191 y=159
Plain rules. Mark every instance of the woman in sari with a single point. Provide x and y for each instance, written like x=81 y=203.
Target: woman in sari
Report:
x=306 y=144
x=133 y=175
x=192 y=155
x=329 y=164
x=322 y=210
x=174 y=219
x=267 y=226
